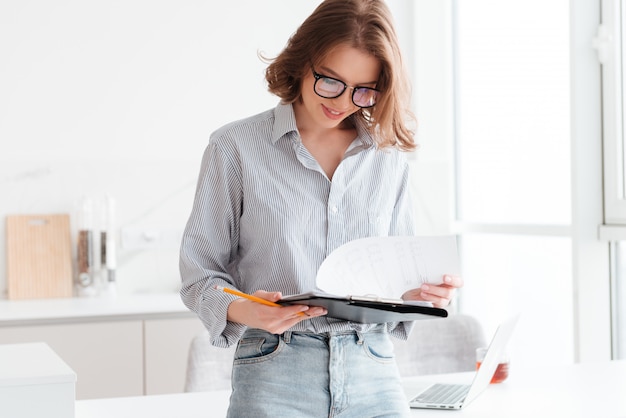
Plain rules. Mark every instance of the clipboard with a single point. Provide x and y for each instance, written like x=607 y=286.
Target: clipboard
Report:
x=367 y=309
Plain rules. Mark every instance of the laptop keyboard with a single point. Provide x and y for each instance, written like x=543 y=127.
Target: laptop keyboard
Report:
x=443 y=394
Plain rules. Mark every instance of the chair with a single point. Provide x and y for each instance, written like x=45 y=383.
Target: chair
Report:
x=208 y=367
x=440 y=346
x=434 y=346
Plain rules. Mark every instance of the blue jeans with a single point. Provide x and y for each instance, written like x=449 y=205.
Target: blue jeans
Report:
x=300 y=374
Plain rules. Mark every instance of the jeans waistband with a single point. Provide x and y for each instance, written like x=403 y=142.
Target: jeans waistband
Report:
x=378 y=329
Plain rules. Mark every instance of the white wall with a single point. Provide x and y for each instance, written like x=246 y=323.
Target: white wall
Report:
x=119 y=97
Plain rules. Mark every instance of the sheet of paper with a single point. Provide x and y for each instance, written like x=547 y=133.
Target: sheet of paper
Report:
x=388 y=266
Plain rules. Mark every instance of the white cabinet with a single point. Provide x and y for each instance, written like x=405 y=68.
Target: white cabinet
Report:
x=132 y=347
x=106 y=356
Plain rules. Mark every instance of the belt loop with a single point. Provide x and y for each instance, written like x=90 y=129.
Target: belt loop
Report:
x=287 y=337
x=359 y=336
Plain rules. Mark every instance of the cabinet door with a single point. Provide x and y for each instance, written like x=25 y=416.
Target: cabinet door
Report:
x=106 y=356
x=167 y=348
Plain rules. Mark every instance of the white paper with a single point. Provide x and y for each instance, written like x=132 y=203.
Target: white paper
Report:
x=388 y=266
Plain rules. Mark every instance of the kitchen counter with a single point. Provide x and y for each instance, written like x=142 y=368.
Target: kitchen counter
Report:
x=90 y=309
x=128 y=345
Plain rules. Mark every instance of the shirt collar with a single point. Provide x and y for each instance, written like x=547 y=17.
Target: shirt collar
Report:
x=285 y=122
x=363 y=133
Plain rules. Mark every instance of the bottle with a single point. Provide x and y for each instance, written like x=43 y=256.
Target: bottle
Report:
x=85 y=249
x=109 y=260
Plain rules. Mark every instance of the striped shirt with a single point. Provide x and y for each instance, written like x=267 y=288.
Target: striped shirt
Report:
x=265 y=216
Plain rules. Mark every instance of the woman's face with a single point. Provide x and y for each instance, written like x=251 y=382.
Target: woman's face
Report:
x=347 y=64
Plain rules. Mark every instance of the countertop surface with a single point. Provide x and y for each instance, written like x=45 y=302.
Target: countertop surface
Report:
x=580 y=390
x=32 y=364
x=85 y=309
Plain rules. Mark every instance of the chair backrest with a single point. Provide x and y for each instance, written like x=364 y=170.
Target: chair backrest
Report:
x=434 y=346
x=208 y=367
x=444 y=345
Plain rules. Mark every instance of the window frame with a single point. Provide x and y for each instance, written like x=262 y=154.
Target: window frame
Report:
x=608 y=44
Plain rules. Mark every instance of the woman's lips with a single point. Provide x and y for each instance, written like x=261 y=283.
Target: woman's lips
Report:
x=332 y=114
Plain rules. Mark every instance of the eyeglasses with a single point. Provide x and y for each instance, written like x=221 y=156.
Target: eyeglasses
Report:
x=331 y=88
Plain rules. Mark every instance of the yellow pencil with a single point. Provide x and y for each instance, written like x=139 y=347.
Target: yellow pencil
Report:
x=250 y=297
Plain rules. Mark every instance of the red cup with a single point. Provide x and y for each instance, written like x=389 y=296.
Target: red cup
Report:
x=502 y=371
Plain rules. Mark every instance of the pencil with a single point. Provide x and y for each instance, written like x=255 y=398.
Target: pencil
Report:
x=250 y=297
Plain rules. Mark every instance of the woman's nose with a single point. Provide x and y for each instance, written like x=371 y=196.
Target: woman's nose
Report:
x=345 y=99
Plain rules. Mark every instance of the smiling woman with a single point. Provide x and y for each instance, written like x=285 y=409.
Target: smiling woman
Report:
x=318 y=114
x=332 y=152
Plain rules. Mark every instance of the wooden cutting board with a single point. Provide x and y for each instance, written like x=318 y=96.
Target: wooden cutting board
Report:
x=39 y=256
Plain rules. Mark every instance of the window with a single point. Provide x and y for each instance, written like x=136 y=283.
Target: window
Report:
x=518 y=121
x=513 y=169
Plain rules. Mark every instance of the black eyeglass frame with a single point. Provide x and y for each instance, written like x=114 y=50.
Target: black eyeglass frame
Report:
x=319 y=76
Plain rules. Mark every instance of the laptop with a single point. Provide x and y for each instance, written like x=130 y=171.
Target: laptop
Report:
x=457 y=396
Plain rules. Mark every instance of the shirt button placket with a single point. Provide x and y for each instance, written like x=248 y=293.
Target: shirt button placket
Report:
x=336 y=224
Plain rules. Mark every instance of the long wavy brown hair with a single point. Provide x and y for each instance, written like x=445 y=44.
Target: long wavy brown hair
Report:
x=366 y=25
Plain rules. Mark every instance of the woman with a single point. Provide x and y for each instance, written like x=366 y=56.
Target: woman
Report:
x=279 y=191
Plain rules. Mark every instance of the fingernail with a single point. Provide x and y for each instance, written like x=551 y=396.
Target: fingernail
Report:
x=447 y=279
x=425 y=287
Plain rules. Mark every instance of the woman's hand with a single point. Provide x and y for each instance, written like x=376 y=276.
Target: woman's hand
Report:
x=272 y=319
x=440 y=295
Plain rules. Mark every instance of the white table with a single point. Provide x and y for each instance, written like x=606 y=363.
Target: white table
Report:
x=586 y=390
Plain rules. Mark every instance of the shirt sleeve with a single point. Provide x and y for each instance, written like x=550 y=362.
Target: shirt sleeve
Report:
x=210 y=242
